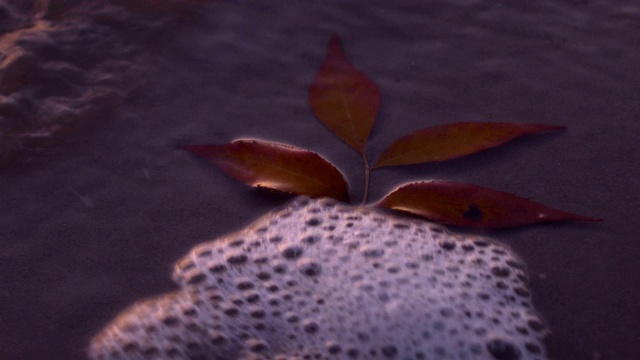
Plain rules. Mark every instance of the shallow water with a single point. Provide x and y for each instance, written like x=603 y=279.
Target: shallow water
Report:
x=100 y=202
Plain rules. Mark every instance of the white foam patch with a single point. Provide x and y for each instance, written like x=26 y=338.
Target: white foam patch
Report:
x=323 y=280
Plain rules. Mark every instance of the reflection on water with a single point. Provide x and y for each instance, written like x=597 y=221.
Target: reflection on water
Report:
x=65 y=63
x=95 y=220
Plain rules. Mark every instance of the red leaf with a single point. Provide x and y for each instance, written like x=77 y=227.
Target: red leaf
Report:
x=471 y=205
x=452 y=141
x=344 y=98
x=276 y=166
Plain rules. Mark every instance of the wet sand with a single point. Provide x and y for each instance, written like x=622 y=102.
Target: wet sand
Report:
x=94 y=222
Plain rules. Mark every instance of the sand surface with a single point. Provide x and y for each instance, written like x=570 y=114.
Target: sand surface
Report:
x=94 y=220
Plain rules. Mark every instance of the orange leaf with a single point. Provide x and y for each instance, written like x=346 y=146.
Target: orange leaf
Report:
x=452 y=141
x=344 y=98
x=471 y=205
x=276 y=166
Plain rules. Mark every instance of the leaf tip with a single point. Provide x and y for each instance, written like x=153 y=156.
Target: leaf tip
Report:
x=558 y=215
x=335 y=46
x=188 y=147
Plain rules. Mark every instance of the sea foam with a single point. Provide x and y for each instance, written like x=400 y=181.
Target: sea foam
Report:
x=323 y=280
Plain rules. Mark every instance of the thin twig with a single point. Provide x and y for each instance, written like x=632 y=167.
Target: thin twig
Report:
x=367 y=170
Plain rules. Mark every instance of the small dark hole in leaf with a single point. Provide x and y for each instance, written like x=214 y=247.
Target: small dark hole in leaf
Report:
x=473 y=214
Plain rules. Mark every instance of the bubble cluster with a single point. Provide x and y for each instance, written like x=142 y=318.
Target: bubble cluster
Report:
x=323 y=280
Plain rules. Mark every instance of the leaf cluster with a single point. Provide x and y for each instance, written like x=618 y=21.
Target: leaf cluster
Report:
x=345 y=100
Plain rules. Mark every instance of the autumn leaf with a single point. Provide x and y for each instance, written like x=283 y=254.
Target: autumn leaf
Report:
x=276 y=166
x=344 y=98
x=471 y=205
x=452 y=141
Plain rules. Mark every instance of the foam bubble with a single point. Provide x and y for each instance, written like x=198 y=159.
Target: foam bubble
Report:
x=368 y=285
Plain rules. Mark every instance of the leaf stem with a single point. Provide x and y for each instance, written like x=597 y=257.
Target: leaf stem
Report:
x=367 y=171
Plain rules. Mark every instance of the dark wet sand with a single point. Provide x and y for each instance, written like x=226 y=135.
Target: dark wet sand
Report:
x=94 y=223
